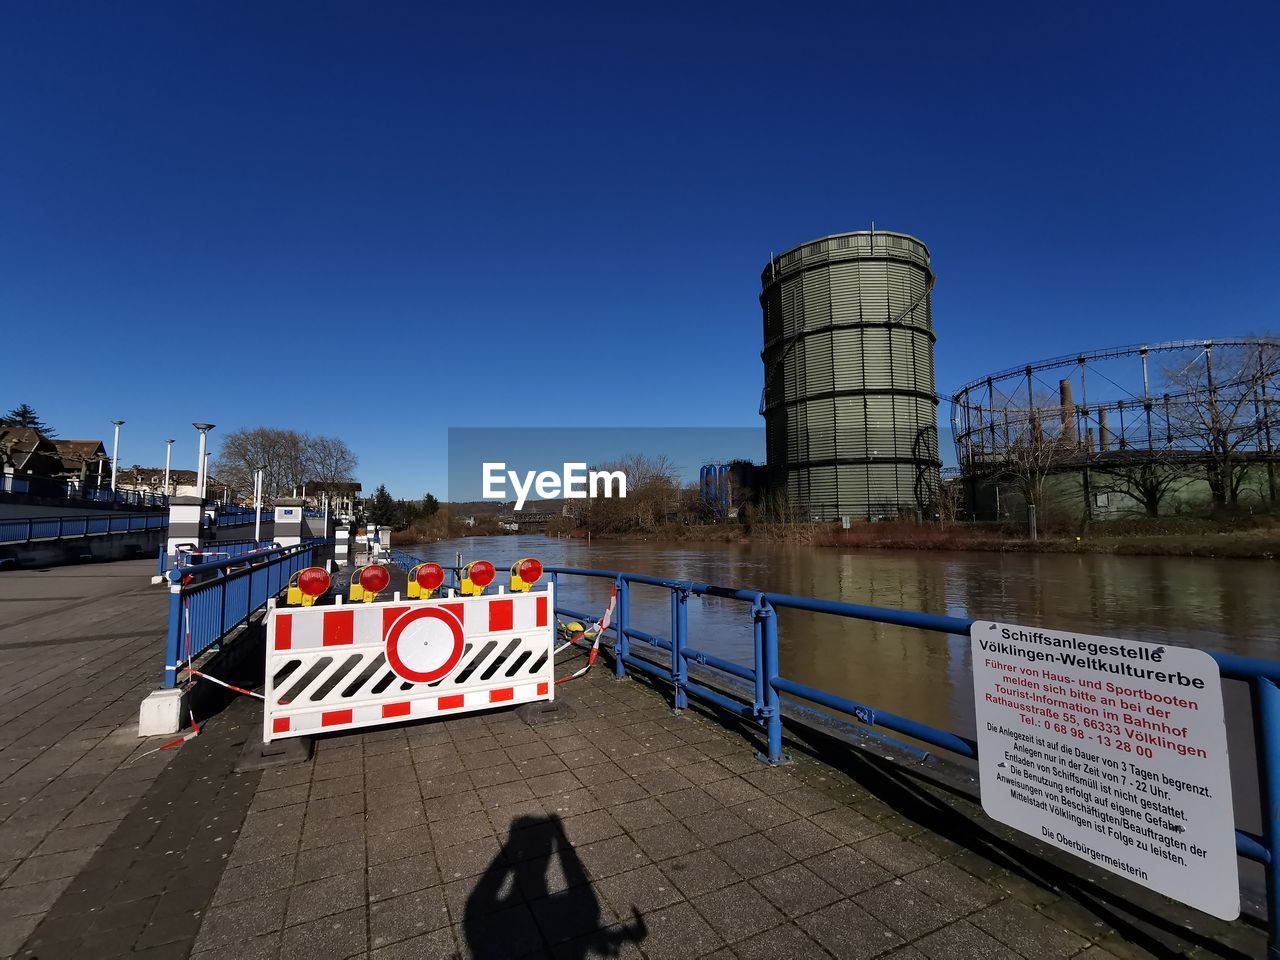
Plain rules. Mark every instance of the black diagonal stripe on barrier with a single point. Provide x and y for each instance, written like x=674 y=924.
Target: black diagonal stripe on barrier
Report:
x=153 y=879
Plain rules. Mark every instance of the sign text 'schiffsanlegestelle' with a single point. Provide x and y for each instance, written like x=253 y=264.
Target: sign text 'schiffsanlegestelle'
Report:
x=1113 y=750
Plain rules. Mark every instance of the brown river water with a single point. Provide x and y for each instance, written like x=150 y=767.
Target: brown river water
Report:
x=1224 y=605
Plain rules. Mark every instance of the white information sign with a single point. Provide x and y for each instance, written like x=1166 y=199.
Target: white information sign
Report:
x=1113 y=750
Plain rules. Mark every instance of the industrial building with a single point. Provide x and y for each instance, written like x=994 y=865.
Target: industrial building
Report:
x=849 y=400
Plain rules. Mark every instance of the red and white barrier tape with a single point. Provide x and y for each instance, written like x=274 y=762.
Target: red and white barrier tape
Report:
x=223 y=683
x=192 y=672
x=600 y=627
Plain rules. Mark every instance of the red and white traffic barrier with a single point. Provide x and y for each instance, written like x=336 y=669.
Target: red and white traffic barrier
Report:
x=347 y=666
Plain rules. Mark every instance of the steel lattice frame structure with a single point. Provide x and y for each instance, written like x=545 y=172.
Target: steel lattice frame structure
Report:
x=991 y=415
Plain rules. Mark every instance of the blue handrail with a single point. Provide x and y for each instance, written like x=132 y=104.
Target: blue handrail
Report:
x=85 y=525
x=218 y=550
x=208 y=600
x=70 y=489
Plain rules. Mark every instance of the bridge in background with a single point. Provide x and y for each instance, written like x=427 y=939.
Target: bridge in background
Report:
x=523 y=519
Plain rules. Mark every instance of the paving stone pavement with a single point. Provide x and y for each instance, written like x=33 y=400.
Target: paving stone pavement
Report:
x=624 y=830
x=77 y=653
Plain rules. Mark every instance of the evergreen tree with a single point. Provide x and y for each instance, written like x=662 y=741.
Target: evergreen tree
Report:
x=382 y=509
x=24 y=415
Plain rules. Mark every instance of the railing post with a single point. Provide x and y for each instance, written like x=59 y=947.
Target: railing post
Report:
x=1266 y=707
x=623 y=645
x=679 y=665
x=174 y=637
x=761 y=665
x=772 y=710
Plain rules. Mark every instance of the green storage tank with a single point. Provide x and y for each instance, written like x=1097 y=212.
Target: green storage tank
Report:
x=849 y=401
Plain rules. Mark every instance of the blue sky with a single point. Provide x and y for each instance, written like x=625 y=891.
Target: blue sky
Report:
x=383 y=220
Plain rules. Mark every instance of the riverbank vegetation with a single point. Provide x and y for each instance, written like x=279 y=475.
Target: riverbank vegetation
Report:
x=658 y=508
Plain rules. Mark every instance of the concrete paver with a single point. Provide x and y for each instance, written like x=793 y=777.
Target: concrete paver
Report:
x=624 y=831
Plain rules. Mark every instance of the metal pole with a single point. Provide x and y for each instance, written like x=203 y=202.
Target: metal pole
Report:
x=168 y=459
x=679 y=665
x=1266 y=427
x=204 y=484
x=622 y=645
x=1146 y=397
x=115 y=454
x=202 y=457
x=172 y=637
x=773 y=708
x=1221 y=450
x=257 y=504
x=1266 y=712
x=991 y=407
x=1084 y=398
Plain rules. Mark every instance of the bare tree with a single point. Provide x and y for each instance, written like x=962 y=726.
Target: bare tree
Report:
x=949 y=500
x=289 y=461
x=1027 y=445
x=1145 y=481
x=1219 y=407
x=329 y=463
x=653 y=494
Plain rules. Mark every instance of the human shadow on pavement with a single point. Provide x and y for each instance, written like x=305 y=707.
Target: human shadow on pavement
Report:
x=536 y=892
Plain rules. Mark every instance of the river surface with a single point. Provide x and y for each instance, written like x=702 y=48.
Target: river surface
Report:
x=1226 y=605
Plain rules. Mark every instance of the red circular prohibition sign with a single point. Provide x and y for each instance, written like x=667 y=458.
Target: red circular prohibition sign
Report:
x=424 y=644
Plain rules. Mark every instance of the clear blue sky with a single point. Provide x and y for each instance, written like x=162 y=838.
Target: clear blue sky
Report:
x=558 y=216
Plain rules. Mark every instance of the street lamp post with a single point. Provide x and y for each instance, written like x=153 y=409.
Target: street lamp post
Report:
x=115 y=455
x=202 y=459
x=257 y=506
x=168 y=459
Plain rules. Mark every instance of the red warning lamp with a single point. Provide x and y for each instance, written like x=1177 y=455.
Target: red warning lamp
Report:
x=482 y=573
x=374 y=578
x=314 y=581
x=476 y=575
x=525 y=573
x=430 y=576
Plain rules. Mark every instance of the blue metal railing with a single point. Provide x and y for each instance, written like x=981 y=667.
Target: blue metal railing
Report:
x=220 y=550
x=238 y=518
x=209 y=600
x=768 y=685
x=58 y=528
x=74 y=490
